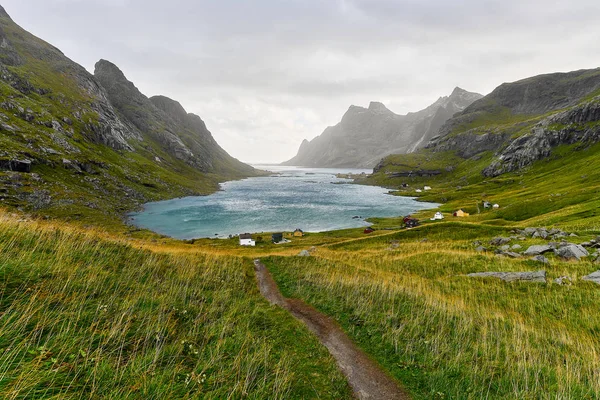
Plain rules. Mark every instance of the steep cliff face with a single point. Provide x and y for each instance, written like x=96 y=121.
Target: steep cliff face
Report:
x=497 y=121
x=365 y=135
x=55 y=90
x=580 y=124
x=528 y=97
x=67 y=143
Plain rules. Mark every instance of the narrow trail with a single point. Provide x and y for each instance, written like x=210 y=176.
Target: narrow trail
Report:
x=365 y=376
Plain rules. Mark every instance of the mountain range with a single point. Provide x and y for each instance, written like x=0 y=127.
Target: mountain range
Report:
x=94 y=141
x=365 y=135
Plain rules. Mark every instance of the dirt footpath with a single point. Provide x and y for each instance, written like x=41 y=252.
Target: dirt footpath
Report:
x=365 y=376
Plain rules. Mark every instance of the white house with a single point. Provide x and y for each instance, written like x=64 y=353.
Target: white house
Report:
x=418 y=190
x=438 y=215
x=496 y=206
x=426 y=187
x=246 y=240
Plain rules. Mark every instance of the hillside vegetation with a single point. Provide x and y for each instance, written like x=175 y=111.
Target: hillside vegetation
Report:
x=86 y=315
x=85 y=157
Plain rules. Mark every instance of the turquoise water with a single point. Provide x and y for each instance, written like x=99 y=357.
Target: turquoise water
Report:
x=311 y=199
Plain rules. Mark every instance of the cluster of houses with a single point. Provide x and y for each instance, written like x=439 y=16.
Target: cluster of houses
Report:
x=425 y=188
x=276 y=238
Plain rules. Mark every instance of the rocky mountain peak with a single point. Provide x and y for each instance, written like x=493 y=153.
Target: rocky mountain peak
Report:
x=3 y=13
x=109 y=70
x=378 y=107
x=458 y=91
x=173 y=108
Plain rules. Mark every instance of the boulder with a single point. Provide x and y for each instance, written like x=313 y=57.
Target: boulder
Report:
x=516 y=247
x=529 y=231
x=572 y=251
x=499 y=241
x=511 y=254
x=537 y=250
x=531 y=276
x=593 y=277
x=505 y=247
x=563 y=280
x=304 y=253
x=541 y=259
x=480 y=249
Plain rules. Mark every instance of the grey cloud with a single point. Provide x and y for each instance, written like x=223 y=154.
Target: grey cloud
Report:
x=266 y=74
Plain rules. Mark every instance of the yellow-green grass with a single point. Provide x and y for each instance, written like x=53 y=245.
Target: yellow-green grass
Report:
x=86 y=315
x=445 y=335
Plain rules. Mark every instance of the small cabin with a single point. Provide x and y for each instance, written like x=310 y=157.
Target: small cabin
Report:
x=460 y=213
x=369 y=230
x=438 y=216
x=277 y=237
x=246 y=240
x=298 y=233
x=496 y=206
x=418 y=190
x=426 y=187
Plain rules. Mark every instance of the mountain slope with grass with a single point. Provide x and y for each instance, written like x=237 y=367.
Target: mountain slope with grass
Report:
x=79 y=147
x=366 y=135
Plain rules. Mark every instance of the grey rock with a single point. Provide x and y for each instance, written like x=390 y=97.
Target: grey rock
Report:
x=593 y=277
x=531 y=276
x=564 y=281
x=499 y=241
x=559 y=129
x=541 y=259
x=15 y=165
x=516 y=247
x=529 y=231
x=573 y=235
x=537 y=249
x=572 y=251
x=304 y=253
x=505 y=247
x=511 y=254
x=480 y=249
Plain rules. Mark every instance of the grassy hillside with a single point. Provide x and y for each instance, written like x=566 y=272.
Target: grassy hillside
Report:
x=85 y=315
x=87 y=163
x=447 y=336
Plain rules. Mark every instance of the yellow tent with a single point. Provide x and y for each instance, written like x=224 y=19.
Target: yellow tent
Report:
x=461 y=213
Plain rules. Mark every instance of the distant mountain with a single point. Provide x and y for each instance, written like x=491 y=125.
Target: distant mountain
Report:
x=525 y=120
x=548 y=117
x=365 y=135
x=182 y=135
x=75 y=144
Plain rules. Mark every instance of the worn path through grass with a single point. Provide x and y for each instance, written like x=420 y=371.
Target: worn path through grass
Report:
x=365 y=376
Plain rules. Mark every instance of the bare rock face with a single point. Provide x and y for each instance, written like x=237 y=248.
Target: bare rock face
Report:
x=532 y=276
x=166 y=122
x=366 y=135
x=578 y=125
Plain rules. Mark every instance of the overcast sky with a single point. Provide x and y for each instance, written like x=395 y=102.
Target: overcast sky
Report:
x=265 y=74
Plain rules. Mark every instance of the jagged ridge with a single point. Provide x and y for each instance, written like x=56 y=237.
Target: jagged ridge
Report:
x=365 y=135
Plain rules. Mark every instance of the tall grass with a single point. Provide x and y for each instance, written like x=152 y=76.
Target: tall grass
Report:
x=448 y=336
x=86 y=317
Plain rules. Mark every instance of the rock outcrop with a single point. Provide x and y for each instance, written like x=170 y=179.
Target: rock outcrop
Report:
x=496 y=122
x=580 y=124
x=366 y=135
x=531 y=276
